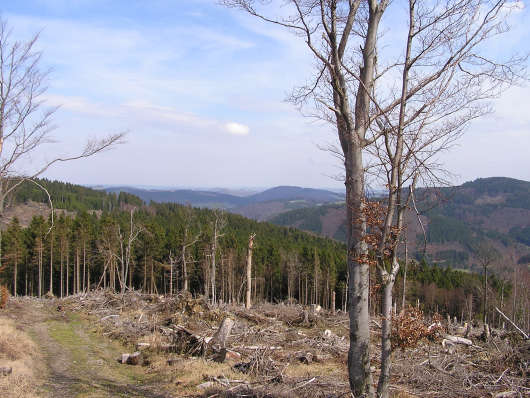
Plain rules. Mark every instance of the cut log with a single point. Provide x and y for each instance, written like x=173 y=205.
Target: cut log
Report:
x=206 y=385
x=6 y=371
x=506 y=394
x=142 y=346
x=457 y=340
x=135 y=358
x=124 y=358
x=306 y=358
x=108 y=317
x=225 y=355
x=173 y=361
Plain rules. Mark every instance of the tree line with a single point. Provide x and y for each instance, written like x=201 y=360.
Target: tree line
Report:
x=168 y=248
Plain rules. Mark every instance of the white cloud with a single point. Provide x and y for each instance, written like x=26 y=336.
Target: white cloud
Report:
x=237 y=128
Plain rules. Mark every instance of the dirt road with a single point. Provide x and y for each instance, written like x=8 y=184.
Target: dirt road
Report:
x=78 y=362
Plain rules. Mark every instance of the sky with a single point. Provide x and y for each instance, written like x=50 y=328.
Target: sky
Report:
x=200 y=91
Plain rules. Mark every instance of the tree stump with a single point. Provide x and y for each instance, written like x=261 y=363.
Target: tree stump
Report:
x=219 y=338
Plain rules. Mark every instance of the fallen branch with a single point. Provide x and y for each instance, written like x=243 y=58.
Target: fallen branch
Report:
x=513 y=324
x=456 y=340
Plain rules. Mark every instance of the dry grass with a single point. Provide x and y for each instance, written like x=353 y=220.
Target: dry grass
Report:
x=298 y=369
x=17 y=351
x=187 y=373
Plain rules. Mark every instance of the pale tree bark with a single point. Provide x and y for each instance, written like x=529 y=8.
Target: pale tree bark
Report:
x=218 y=225
x=188 y=240
x=51 y=263
x=125 y=247
x=248 y=299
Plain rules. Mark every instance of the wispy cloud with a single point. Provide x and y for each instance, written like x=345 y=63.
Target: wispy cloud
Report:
x=237 y=128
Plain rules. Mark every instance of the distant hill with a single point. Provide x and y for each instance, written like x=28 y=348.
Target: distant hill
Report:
x=183 y=196
x=458 y=220
x=295 y=193
x=259 y=206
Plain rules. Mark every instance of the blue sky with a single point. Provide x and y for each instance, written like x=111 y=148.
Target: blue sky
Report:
x=201 y=90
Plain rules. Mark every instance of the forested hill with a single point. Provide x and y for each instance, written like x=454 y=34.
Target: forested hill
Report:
x=119 y=242
x=160 y=230
x=458 y=220
x=259 y=206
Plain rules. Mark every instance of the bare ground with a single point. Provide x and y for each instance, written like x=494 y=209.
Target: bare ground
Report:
x=75 y=361
x=285 y=351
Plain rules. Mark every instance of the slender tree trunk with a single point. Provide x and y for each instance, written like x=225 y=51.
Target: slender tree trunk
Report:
x=67 y=269
x=171 y=276
x=152 y=284
x=386 y=346
x=403 y=301
x=41 y=249
x=84 y=266
x=15 y=274
x=360 y=376
x=145 y=272
x=62 y=269
x=212 y=271
x=78 y=270
x=185 y=269
x=248 y=303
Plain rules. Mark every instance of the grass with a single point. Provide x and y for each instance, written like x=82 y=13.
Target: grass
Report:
x=19 y=352
x=88 y=350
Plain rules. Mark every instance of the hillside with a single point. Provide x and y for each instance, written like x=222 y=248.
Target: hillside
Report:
x=459 y=220
x=162 y=247
x=259 y=206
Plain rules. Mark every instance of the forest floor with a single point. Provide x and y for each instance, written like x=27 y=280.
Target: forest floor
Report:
x=69 y=348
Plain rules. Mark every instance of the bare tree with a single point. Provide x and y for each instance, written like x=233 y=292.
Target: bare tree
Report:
x=25 y=121
x=189 y=239
x=125 y=249
x=248 y=302
x=393 y=115
x=218 y=224
x=486 y=256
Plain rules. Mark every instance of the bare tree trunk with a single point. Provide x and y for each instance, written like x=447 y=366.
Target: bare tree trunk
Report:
x=84 y=266
x=15 y=275
x=62 y=270
x=145 y=273
x=40 y=267
x=359 y=372
x=386 y=346
x=171 y=276
x=78 y=270
x=403 y=301
x=67 y=268
x=315 y=277
x=248 y=302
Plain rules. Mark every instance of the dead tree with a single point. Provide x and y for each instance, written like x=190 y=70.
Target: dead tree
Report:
x=248 y=300
x=125 y=247
x=486 y=256
x=218 y=225
x=188 y=240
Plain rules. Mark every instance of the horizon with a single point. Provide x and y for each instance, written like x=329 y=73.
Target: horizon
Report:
x=250 y=189
x=207 y=103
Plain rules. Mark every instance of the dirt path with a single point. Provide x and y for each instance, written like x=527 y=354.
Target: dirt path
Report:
x=77 y=361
